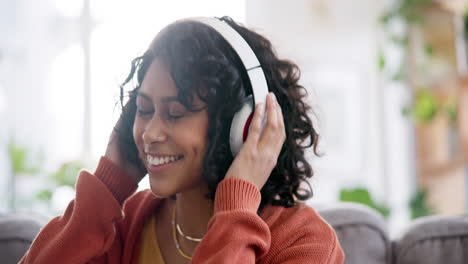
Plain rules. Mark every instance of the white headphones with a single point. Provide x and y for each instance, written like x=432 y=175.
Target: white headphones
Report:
x=241 y=121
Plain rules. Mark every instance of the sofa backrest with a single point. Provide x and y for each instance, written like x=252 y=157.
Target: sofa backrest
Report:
x=434 y=240
x=17 y=232
x=361 y=231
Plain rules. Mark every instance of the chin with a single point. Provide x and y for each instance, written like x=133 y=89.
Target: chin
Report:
x=161 y=194
x=161 y=189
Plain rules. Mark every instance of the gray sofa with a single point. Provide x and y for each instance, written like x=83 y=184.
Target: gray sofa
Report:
x=16 y=234
x=428 y=240
x=361 y=231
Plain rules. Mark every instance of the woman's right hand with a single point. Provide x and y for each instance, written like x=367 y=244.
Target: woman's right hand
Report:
x=121 y=149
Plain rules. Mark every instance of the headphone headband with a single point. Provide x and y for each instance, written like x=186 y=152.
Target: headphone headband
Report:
x=245 y=53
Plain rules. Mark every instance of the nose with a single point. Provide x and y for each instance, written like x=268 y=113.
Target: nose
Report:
x=155 y=131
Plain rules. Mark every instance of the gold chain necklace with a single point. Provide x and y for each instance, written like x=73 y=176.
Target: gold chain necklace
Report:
x=176 y=227
x=179 y=230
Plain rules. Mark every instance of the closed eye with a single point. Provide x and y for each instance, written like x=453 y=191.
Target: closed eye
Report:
x=175 y=111
x=175 y=116
x=141 y=112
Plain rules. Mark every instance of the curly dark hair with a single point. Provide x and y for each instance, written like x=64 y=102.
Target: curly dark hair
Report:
x=203 y=63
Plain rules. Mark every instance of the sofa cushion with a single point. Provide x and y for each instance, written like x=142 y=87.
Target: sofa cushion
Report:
x=361 y=232
x=17 y=232
x=435 y=239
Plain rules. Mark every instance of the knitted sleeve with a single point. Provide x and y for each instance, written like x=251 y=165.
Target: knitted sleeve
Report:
x=87 y=229
x=302 y=236
x=236 y=234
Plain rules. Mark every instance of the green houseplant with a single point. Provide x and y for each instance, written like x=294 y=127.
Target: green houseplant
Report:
x=362 y=195
x=20 y=164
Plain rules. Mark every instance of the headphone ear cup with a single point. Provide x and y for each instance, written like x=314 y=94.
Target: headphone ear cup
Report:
x=240 y=125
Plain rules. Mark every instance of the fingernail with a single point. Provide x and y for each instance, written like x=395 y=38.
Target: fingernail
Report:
x=272 y=95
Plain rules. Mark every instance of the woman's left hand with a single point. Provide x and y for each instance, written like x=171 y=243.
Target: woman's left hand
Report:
x=259 y=154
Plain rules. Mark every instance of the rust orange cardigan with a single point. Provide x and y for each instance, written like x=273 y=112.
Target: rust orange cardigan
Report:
x=104 y=221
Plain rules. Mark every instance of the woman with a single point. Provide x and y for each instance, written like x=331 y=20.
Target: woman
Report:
x=205 y=205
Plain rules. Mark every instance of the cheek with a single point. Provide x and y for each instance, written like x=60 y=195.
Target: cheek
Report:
x=194 y=135
x=203 y=136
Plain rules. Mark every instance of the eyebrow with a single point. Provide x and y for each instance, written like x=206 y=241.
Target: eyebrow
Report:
x=166 y=99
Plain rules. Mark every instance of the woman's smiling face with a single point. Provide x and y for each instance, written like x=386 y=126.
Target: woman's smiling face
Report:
x=171 y=140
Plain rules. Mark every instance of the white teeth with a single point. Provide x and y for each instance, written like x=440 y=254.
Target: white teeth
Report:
x=160 y=160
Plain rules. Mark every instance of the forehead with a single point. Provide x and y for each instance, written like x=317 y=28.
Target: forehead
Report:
x=158 y=82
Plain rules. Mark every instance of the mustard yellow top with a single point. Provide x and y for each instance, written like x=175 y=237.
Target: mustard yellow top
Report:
x=150 y=252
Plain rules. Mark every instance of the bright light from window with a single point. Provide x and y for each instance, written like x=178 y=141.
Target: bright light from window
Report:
x=61 y=197
x=69 y=8
x=66 y=102
x=164 y=11
x=2 y=100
